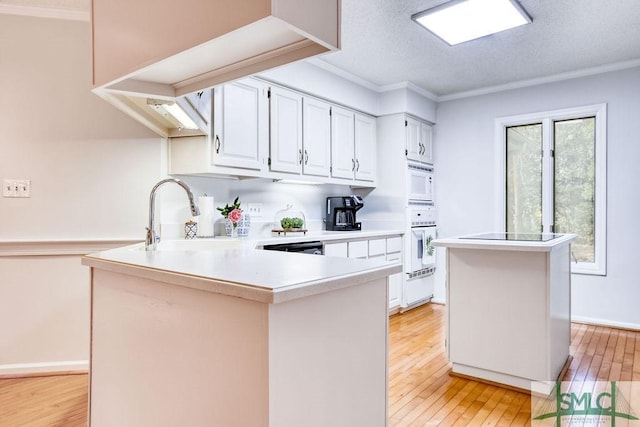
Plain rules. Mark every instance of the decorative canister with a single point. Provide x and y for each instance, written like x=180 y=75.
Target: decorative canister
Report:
x=242 y=227
x=190 y=230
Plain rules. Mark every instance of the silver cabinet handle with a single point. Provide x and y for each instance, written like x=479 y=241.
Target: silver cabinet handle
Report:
x=306 y=157
x=353 y=165
x=300 y=156
x=217 y=144
x=357 y=165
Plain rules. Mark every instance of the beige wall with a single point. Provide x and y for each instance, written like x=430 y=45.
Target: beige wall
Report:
x=91 y=169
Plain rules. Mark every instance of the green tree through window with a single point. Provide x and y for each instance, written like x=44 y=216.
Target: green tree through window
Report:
x=555 y=179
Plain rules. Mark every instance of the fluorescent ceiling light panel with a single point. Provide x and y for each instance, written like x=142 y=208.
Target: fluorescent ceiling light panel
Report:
x=459 y=21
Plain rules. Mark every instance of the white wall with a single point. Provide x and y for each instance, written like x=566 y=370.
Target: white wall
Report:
x=464 y=160
x=91 y=169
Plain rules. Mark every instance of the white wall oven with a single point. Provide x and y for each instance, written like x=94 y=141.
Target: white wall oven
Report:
x=420 y=259
x=420 y=182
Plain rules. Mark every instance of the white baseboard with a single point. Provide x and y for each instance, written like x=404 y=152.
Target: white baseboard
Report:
x=44 y=368
x=441 y=301
x=604 y=322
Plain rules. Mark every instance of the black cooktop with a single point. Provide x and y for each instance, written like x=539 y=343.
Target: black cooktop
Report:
x=526 y=237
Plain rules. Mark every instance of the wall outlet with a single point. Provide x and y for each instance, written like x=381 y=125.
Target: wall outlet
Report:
x=16 y=188
x=254 y=210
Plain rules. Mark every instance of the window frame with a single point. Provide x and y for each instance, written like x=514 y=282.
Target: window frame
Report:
x=547 y=118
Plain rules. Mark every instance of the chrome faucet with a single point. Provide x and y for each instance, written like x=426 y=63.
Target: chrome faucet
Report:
x=153 y=238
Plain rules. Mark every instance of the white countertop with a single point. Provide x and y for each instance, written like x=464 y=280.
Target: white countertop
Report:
x=464 y=242
x=264 y=276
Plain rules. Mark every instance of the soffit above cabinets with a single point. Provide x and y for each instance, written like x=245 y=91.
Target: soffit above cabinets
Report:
x=165 y=50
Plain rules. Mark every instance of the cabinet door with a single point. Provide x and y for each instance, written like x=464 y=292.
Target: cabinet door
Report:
x=426 y=137
x=285 y=108
x=365 y=147
x=240 y=124
x=395 y=283
x=316 y=137
x=412 y=137
x=343 y=162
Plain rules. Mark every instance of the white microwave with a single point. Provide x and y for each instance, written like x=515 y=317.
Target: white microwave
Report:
x=420 y=182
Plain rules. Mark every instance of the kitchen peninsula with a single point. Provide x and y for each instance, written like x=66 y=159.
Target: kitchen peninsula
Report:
x=509 y=306
x=234 y=336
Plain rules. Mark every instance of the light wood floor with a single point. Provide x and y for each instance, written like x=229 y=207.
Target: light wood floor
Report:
x=421 y=393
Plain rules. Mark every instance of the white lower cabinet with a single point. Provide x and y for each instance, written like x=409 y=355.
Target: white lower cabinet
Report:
x=359 y=249
x=336 y=249
x=390 y=248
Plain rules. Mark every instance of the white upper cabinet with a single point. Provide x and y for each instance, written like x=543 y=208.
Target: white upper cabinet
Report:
x=365 y=147
x=418 y=140
x=300 y=133
x=343 y=162
x=285 y=152
x=137 y=56
x=239 y=124
x=353 y=145
x=316 y=139
x=263 y=130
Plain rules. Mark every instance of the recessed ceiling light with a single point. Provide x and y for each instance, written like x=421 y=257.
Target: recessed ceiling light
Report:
x=459 y=21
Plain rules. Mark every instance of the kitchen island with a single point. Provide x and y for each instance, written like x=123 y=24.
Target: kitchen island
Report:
x=509 y=306
x=234 y=336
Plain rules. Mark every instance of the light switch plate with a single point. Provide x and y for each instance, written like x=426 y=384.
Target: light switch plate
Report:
x=24 y=187
x=16 y=188
x=9 y=188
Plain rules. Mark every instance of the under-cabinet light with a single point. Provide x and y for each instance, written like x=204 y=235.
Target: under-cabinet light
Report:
x=459 y=21
x=173 y=109
x=296 y=181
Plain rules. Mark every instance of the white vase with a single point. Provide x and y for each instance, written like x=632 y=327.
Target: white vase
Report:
x=242 y=228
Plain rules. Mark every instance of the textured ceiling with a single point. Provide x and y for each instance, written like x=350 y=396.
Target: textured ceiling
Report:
x=381 y=44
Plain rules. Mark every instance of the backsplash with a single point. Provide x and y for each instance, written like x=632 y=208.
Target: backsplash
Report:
x=273 y=196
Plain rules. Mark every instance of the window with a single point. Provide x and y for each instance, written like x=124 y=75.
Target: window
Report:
x=553 y=179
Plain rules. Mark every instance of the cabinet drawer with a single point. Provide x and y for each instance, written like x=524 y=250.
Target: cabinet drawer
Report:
x=394 y=244
x=358 y=249
x=395 y=257
x=377 y=247
x=335 y=249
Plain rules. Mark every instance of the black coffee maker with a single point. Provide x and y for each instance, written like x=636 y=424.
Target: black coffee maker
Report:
x=340 y=213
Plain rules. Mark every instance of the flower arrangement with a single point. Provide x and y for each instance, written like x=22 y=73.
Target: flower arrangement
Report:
x=232 y=212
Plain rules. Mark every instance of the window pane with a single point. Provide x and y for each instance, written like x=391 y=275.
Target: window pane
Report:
x=574 y=196
x=524 y=179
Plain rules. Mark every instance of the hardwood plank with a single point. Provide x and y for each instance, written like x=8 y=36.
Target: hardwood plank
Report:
x=421 y=391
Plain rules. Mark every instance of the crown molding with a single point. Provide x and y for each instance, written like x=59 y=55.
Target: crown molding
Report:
x=42 y=12
x=542 y=80
x=367 y=84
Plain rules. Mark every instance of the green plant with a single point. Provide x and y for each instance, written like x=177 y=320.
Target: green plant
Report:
x=288 y=223
x=227 y=209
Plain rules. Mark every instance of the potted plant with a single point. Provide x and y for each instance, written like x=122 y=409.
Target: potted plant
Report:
x=294 y=223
